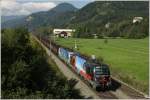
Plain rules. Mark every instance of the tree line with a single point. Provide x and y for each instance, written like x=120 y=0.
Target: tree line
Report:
x=123 y=29
x=26 y=73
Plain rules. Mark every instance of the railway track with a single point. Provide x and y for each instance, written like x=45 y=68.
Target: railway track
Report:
x=117 y=91
x=120 y=91
x=107 y=95
x=102 y=94
x=132 y=93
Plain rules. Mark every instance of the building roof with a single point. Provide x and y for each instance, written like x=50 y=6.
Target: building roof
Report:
x=64 y=30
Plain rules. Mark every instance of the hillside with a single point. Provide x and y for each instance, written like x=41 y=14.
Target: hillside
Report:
x=56 y=17
x=111 y=11
x=93 y=19
x=14 y=23
x=8 y=18
x=64 y=7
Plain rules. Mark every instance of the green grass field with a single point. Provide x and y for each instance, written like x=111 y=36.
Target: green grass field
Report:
x=128 y=58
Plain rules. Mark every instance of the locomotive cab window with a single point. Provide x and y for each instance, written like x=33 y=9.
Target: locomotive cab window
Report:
x=102 y=70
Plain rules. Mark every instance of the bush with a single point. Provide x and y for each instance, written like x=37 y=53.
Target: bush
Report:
x=26 y=72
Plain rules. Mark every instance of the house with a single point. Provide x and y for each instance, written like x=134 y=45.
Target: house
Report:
x=137 y=19
x=63 y=32
x=95 y=35
x=107 y=25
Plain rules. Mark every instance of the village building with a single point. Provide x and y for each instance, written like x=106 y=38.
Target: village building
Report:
x=63 y=32
x=137 y=19
x=95 y=36
x=107 y=25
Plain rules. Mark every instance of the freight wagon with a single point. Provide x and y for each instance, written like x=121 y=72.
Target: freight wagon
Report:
x=96 y=73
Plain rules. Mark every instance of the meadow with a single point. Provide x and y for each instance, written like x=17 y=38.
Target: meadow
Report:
x=128 y=58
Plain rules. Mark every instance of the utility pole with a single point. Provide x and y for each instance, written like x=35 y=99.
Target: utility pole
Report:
x=75 y=45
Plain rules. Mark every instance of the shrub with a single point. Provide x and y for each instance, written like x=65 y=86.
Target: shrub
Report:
x=26 y=72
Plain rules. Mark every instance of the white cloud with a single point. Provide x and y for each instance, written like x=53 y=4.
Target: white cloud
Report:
x=12 y=7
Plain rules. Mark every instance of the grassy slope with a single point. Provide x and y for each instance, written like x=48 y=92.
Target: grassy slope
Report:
x=129 y=58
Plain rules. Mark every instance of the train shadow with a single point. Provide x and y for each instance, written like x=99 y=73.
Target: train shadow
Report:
x=115 y=85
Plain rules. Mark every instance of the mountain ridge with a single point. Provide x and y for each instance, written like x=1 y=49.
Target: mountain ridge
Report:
x=92 y=19
x=8 y=18
x=44 y=17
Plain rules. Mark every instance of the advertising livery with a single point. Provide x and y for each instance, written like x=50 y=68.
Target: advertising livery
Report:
x=96 y=73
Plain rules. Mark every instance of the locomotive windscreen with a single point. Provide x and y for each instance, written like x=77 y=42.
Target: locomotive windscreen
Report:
x=103 y=70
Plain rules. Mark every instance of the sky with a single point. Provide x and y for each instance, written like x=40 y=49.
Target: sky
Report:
x=26 y=7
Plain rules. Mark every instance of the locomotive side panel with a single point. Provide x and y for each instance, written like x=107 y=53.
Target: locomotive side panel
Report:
x=81 y=68
x=79 y=64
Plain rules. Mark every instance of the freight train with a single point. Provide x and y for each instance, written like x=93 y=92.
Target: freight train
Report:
x=97 y=74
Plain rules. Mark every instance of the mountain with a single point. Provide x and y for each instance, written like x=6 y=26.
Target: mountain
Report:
x=93 y=18
x=64 y=7
x=56 y=17
x=119 y=15
x=12 y=21
x=8 y=18
x=111 y=10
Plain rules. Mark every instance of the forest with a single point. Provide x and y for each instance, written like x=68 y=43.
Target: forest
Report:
x=26 y=72
x=92 y=19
